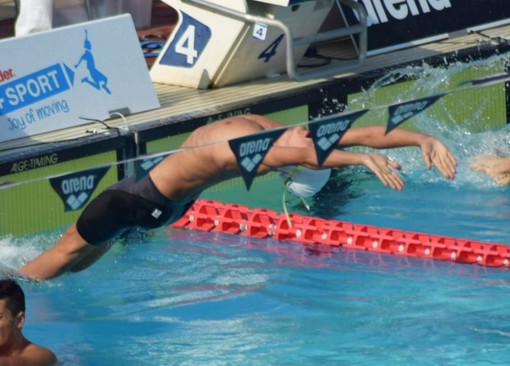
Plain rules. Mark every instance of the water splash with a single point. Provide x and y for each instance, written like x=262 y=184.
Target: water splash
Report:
x=15 y=252
x=457 y=135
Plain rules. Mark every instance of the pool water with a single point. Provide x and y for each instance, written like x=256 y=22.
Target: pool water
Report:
x=215 y=299
x=179 y=297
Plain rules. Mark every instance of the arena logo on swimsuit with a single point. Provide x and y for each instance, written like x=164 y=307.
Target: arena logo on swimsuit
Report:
x=382 y=11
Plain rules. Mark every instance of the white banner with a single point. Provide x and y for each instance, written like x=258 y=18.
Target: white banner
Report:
x=51 y=80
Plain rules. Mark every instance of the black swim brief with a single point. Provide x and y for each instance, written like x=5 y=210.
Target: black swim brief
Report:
x=125 y=205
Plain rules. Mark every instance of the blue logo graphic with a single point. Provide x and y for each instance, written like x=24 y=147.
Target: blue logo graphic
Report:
x=188 y=44
x=32 y=88
x=96 y=78
x=49 y=82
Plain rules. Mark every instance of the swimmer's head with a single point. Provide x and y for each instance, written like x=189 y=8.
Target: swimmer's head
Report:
x=304 y=182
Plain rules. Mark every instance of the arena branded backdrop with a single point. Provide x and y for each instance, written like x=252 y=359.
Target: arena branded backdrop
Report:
x=401 y=23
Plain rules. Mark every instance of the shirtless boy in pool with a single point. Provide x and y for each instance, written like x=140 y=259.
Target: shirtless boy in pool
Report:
x=206 y=159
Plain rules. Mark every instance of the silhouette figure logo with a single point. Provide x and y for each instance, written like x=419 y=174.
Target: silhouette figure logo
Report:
x=95 y=77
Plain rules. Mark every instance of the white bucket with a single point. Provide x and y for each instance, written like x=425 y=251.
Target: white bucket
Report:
x=140 y=10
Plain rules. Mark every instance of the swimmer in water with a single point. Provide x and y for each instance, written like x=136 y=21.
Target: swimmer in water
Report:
x=15 y=349
x=170 y=188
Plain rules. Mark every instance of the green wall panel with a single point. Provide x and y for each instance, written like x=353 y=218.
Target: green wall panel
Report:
x=34 y=206
x=474 y=110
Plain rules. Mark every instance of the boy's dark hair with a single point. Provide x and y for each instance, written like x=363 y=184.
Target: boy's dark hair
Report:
x=13 y=295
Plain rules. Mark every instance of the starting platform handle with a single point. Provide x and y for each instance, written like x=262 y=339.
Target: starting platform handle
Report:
x=291 y=42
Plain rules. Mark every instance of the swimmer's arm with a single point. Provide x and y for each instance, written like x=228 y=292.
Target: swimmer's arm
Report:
x=492 y=164
x=380 y=165
x=434 y=152
x=496 y=167
x=374 y=136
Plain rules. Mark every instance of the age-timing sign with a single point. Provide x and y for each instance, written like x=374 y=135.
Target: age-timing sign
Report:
x=50 y=80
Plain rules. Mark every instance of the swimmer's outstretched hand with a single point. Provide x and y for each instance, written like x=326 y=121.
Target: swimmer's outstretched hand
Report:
x=12 y=273
x=435 y=153
x=496 y=167
x=383 y=167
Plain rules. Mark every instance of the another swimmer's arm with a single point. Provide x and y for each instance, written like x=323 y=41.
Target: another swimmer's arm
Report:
x=496 y=167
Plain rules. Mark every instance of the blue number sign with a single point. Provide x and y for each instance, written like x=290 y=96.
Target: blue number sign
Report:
x=188 y=44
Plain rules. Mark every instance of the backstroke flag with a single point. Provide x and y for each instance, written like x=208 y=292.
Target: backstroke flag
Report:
x=401 y=112
x=251 y=150
x=327 y=132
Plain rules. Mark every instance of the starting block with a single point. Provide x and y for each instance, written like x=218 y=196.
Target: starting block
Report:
x=223 y=42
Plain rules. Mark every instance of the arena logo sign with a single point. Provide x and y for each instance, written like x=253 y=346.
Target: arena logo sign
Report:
x=327 y=132
x=75 y=189
x=383 y=11
x=250 y=151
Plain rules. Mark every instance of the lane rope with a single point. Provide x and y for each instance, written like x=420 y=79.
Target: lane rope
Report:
x=213 y=216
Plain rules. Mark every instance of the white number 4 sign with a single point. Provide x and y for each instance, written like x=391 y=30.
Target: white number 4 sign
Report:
x=260 y=31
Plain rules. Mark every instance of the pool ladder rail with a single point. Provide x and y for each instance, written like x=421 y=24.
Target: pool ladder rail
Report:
x=212 y=216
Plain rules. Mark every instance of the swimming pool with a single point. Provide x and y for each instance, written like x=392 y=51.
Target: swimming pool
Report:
x=184 y=297
x=181 y=297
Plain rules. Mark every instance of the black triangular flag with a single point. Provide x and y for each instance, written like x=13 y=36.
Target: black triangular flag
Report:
x=75 y=189
x=399 y=113
x=143 y=166
x=251 y=150
x=327 y=132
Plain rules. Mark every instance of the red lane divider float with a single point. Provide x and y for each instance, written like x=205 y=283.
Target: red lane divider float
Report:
x=206 y=215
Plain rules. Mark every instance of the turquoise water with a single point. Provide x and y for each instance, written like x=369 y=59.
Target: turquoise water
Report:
x=192 y=298
x=178 y=297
